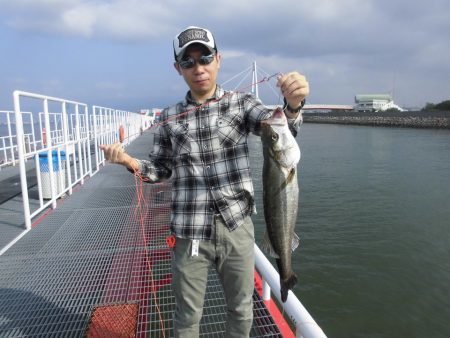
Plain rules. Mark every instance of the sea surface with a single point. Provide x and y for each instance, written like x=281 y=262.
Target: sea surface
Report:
x=374 y=223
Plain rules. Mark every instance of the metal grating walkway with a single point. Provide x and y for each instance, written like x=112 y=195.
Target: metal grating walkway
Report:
x=91 y=251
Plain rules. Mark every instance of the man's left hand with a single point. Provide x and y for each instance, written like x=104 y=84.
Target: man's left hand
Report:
x=294 y=87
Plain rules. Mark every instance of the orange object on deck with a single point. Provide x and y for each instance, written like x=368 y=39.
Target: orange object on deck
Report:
x=113 y=321
x=44 y=137
x=121 y=134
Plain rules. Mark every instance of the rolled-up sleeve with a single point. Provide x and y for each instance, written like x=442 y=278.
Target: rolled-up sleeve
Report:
x=159 y=165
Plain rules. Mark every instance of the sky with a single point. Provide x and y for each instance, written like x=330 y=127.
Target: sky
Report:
x=118 y=53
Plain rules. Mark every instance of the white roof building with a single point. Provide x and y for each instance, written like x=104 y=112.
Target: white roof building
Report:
x=375 y=102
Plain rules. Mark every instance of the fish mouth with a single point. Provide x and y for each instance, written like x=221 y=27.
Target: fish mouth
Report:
x=278 y=113
x=277 y=119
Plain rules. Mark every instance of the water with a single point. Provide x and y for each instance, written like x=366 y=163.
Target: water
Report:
x=374 y=224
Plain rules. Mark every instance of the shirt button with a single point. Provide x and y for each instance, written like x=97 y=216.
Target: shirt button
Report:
x=207 y=167
x=205 y=147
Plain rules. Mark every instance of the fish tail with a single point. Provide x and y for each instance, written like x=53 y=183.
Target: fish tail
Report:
x=286 y=285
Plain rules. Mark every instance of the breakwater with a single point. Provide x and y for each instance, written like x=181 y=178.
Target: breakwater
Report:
x=409 y=119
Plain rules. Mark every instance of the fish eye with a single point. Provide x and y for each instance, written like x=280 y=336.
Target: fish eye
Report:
x=274 y=136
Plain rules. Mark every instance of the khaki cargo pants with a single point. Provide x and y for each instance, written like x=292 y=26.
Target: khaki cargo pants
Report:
x=233 y=257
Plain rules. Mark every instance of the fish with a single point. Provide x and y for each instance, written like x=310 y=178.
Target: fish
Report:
x=281 y=155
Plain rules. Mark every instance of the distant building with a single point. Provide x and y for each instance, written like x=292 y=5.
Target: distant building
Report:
x=374 y=102
x=154 y=114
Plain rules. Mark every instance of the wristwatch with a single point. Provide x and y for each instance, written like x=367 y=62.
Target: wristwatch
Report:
x=295 y=111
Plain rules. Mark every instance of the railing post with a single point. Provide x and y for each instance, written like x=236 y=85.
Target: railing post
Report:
x=11 y=141
x=96 y=142
x=23 y=175
x=42 y=130
x=88 y=140
x=33 y=132
x=66 y=142
x=49 y=153
x=78 y=138
x=4 y=150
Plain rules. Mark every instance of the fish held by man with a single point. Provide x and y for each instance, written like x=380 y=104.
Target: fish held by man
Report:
x=280 y=195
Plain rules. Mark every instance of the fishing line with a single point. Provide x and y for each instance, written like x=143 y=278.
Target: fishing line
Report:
x=140 y=213
x=277 y=94
x=239 y=90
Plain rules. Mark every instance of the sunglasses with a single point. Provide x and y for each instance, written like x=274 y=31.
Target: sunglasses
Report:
x=191 y=62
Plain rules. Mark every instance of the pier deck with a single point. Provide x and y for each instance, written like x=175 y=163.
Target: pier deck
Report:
x=101 y=248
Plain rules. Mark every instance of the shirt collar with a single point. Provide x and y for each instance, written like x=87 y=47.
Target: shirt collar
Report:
x=218 y=93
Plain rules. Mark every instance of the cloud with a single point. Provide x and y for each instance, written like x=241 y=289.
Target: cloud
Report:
x=139 y=19
x=299 y=28
x=345 y=47
x=79 y=20
x=121 y=19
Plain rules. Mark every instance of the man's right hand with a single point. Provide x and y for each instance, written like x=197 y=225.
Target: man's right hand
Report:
x=115 y=153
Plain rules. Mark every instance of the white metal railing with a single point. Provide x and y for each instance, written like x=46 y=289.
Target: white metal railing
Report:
x=113 y=125
x=305 y=325
x=68 y=137
x=58 y=158
x=8 y=138
x=56 y=124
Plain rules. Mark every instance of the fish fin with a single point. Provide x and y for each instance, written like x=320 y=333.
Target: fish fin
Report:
x=290 y=176
x=295 y=242
x=267 y=246
x=286 y=285
x=287 y=181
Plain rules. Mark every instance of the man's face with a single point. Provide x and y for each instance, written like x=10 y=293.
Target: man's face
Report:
x=201 y=79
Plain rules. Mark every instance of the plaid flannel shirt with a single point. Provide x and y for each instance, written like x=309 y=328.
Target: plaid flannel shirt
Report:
x=205 y=154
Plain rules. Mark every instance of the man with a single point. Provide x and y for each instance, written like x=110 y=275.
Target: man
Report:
x=202 y=145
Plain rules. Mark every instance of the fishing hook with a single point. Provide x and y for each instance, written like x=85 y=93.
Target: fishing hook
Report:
x=267 y=78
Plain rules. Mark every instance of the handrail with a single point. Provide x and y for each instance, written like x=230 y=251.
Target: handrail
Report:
x=8 y=143
x=65 y=158
x=69 y=133
x=305 y=325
